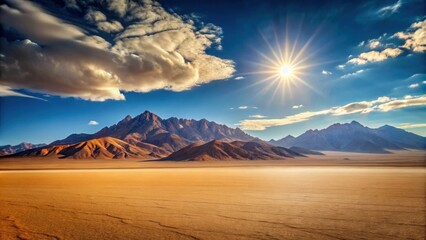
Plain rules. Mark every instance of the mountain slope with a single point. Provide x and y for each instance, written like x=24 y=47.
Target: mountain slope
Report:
x=354 y=137
x=172 y=134
x=236 y=150
x=100 y=148
x=401 y=137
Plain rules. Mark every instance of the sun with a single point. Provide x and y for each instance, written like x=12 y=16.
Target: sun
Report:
x=286 y=71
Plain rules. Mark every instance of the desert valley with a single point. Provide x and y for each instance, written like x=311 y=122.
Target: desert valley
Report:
x=212 y=120
x=152 y=178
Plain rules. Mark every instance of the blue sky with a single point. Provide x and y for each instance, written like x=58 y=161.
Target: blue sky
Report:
x=101 y=61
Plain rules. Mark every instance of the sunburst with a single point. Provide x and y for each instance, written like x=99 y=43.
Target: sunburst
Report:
x=284 y=68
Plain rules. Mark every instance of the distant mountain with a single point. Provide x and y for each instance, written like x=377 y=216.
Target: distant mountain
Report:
x=354 y=137
x=282 y=141
x=9 y=149
x=236 y=150
x=172 y=134
x=73 y=138
x=104 y=148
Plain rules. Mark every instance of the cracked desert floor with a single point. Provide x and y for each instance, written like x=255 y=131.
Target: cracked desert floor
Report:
x=216 y=201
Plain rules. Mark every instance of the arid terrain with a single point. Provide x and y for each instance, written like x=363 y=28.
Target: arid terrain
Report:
x=336 y=196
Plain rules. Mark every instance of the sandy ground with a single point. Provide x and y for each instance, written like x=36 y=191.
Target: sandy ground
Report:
x=244 y=201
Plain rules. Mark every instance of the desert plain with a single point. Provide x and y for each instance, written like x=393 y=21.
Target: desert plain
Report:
x=336 y=196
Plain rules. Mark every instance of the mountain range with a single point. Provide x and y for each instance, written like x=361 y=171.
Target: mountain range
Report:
x=147 y=136
x=171 y=134
x=354 y=137
x=9 y=149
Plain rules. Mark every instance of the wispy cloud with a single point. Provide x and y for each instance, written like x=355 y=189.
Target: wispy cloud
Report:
x=414 y=85
x=387 y=11
x=297 y=106
x=9 y=92
x=349 y=75
x=412 y=125
x=244 y=107
x=93 y=123
x=257 y=116
x=381 y=104
x=239 y=78
x=324 y=72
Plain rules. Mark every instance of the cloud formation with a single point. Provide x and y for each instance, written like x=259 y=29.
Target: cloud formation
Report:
x=414 y=85
x=381 y=104
x=149 y=49
x=257 y=116
x=297 y=106
x=415 y=37
x=239 y=78
x=376 y=56
x=389 y=10
x=349 y=75
x=243 y=107
x=8 y=92
x=413 y=40
x=92 y=123
x=324 y=72
x=412 y=125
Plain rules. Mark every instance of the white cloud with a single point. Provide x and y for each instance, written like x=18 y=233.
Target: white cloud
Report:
x=341 y=66
x=297 y=106
x=424 y=82
x=324 y=72
x=92 y=123
x=414 y=37
x=100 y=20
x=349 y=75
x=402 y=103
x=412 y=125
x=389 y=10
x=414 y=40
x=381 y=104
x=239 y=78
x=374 y=44
x=243 y=107
x=155 y=50
x=257 y=116
x=376 y=56
x=414 y=85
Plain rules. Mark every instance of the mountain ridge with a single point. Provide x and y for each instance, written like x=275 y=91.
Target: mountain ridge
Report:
x=171 y=133
x=236 y=150
x=354 y=137
x=107 y=147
